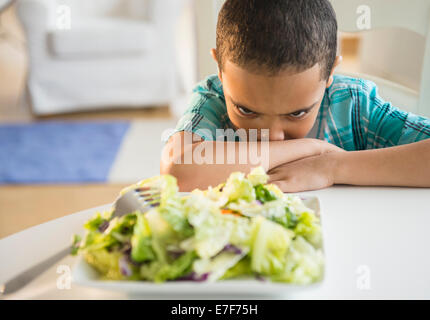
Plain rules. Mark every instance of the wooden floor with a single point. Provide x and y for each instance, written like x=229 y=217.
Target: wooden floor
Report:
x=25 y=206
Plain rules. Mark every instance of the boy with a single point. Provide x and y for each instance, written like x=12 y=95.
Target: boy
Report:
x=276 y=61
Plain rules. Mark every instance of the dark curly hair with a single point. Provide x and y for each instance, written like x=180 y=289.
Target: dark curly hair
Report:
x=273 y=35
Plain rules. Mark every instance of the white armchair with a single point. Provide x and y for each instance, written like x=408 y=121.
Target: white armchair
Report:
x=111 y=53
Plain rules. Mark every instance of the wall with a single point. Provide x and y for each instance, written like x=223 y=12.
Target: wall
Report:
x=206 y=34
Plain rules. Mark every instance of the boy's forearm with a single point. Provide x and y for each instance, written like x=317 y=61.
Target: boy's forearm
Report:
x=193 y=172
x=406 y=165
x=190 y=177
x=291 y=150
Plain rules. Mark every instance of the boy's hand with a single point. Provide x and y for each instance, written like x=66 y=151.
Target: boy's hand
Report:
x=323 y=147
x=405 y=165
x=311 y=173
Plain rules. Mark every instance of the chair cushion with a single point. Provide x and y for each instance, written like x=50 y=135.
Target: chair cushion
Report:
x=99 y=37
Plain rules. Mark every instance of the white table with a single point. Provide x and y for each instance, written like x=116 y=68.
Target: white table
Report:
x=376 y=245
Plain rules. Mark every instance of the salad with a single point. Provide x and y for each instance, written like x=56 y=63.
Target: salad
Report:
x=243 y=228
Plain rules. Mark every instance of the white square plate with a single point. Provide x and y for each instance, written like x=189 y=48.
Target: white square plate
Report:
x=85 y=275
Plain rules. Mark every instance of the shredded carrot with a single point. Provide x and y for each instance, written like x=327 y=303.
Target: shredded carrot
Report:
x=228 y=211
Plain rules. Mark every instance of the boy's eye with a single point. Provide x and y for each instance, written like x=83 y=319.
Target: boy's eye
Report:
x=298 y=114
x=245 y=112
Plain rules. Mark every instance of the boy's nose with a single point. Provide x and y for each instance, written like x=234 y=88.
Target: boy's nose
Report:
x=277 y=134
x=277 y=130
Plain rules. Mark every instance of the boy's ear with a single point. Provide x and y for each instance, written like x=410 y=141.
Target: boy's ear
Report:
x=337 y=62
x=214 y=56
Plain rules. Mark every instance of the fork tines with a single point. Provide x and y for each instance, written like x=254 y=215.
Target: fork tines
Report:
x=148 y=196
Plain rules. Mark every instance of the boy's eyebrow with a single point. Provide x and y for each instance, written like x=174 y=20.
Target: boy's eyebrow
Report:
x=241 y=105
x=306 y=109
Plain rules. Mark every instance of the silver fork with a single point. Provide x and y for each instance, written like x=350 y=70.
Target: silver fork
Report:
x=139 y=199
x=142 y=199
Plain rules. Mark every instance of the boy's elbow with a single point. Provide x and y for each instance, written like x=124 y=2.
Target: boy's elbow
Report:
x=180 y=172
x=168 y=158
x=166 y=167
x=172 y=164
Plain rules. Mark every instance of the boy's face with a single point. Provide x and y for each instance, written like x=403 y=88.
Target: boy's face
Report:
x=286 y=104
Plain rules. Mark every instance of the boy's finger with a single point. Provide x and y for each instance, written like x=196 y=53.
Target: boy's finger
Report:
x=290 y=186
x=285 y=186
x=277 y=176
x=272 y=178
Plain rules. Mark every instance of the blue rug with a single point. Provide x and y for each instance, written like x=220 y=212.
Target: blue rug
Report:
x=59 y=152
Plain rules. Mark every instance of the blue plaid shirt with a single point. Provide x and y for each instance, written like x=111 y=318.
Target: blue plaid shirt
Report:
x=352 y=116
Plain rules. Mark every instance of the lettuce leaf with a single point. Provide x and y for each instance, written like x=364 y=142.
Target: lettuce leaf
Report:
x=141 y=241
x=304 y=264
x=160 y=272
x=105 y=262
x=173 y=212
x=270 y=245
x=240 y=269
x=263 y=194
x=257 y=176
x=308 y=226
x=217 y=266
x=289 y=220
x=238 y=187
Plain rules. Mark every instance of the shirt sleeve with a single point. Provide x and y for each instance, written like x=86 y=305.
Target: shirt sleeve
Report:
x=386 y=125
x=206 y=113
